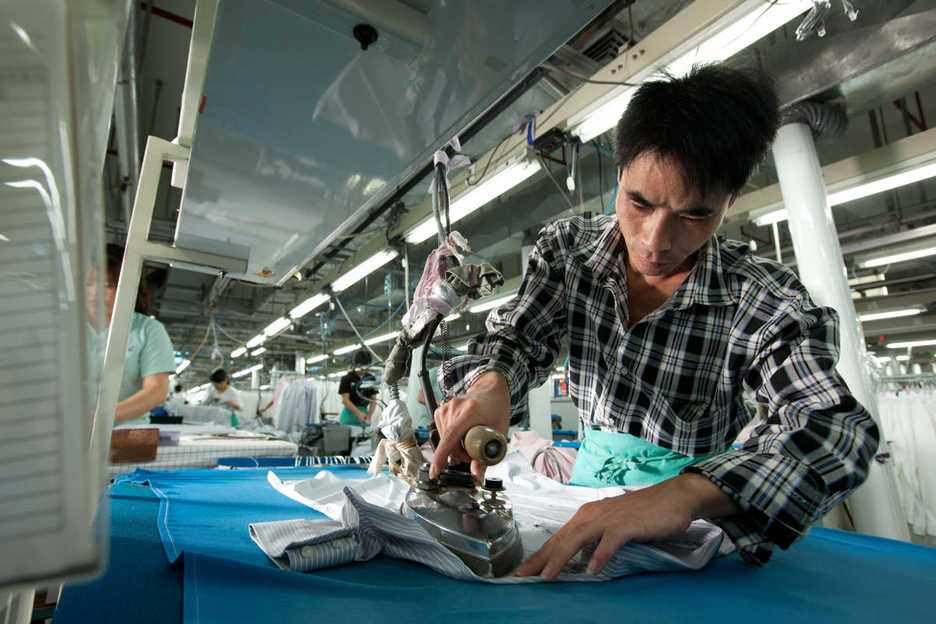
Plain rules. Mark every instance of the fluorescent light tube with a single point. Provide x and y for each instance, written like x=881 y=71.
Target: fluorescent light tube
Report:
x=258 y=351
x=899 y=257
x=774 y=216
x=494 y=185
x=247 y=371
x=338 y=374
x=454 y=316
x=364 y=269
x=911 y=344
x=182 y=366
x=603 y=117
x=239 y=351
x=256 y=341
x=903 y=358
x=347 y=349
x=885 y=183
x=736 y=31
x=759 y=20
x=317 y=358
x=867 y=279
x=276 y=326
x=877 y=316
x=382 y=338
x=493 y=303
x=308 y=305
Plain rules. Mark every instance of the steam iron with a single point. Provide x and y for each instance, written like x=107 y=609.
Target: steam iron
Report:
x=475 y=523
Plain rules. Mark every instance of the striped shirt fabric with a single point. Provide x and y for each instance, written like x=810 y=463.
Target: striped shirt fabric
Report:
x=675 y=378
x=365 y=519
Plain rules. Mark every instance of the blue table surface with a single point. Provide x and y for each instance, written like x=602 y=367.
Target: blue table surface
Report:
x=829 y=576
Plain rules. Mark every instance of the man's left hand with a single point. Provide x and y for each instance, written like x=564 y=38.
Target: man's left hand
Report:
x=656 y=512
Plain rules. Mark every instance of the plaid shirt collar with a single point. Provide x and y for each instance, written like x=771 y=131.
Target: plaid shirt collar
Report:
x=605 y=257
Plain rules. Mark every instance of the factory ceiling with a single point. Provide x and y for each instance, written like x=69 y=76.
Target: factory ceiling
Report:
x=880 y=68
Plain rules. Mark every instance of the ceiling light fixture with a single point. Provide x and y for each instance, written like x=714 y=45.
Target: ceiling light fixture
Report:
x=247 y=371
x=259 y=351
x=276 y=326
x=308 y=305
x=256 y=341
x=382 y=338
x=182 y=366
x=737 y=30
x=239 y=351
x=494 y=185
x=887 y=181
x=317 y=358
x=898 y=257
x=878 y=316
x=911 y=344
x=364 y=269
x=346 y=349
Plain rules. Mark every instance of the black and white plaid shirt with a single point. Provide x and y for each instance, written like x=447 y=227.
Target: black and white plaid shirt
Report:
x=676 y=377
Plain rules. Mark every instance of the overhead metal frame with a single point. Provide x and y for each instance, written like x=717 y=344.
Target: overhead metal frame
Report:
x=138 y=249
x=848 y=172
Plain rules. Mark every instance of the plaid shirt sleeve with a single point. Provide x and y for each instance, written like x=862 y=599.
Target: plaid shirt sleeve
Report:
x=523 y=336
x=815 y=446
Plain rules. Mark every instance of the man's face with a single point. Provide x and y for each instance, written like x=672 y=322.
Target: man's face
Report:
x=219 y=386
x=91 y=297
x=663 y=222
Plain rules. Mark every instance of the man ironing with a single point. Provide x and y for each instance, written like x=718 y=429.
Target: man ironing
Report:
x=666 y=326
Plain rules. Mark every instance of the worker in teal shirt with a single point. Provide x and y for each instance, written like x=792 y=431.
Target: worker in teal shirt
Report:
x=150 y=358
x=357 y=408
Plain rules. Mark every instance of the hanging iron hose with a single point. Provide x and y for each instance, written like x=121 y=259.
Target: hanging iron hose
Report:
x=483 y=444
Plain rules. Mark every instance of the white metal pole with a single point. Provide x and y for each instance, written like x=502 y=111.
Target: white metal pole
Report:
x=876 y=509
x=157 y=150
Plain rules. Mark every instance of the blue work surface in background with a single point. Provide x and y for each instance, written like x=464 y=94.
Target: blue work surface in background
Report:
x=829 y=576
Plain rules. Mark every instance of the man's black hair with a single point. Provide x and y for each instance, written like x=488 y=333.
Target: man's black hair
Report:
x=178 y=388
x=218 y=376
x=716 y=123
x=361 y=358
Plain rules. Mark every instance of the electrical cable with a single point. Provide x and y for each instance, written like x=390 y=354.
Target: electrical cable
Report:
x=392 y=316
x=600 y=175
x=613 y=199
x=201 y=344
x=354 y=328
x=585 y=78
x=436 y=212
x=227 y=335
x=468 y=181
x=555 y=181
x=444 y=204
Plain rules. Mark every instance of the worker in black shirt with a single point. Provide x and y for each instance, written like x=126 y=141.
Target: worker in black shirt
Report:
x=357 y=408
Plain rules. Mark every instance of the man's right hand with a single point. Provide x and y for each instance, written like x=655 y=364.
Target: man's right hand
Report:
x=487 y=402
